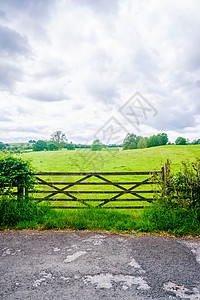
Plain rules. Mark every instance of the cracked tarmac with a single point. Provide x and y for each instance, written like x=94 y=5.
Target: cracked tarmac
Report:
x=95 y=265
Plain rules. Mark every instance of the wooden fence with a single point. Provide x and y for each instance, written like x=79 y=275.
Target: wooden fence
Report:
x=119 y=190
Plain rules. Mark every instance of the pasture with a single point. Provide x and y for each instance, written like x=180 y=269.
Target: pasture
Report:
x=108 y=160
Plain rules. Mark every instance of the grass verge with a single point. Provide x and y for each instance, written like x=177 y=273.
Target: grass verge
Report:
x=158 y=218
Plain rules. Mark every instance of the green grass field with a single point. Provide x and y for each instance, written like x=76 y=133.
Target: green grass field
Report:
x=147 y=159
x=85 y=160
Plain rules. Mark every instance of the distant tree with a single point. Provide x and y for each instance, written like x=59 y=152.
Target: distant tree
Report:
x=154 y=140
x=142 y=143
x=2 y=146
x=58 y=137
x=32 y=141
x=40 y=146
x=52 y=147
x=130 y=141
x=96 y=145
x=62 y=145
x=71 y=146
x=164 y=138
x=196 y=142
x=180 y=141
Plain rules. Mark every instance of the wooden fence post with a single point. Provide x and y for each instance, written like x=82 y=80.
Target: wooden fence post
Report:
x=26 y=192
x=20 y=192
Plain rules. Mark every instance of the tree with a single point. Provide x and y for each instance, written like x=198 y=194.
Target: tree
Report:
x=142 y=143
x=2 y=146
x=71 y=146
x=130 y=141
x=180 y=141
x=58 y=137
x=164 y=138
x=52 y=147
x=40 y=146
x=196 y=142
x=96 y=145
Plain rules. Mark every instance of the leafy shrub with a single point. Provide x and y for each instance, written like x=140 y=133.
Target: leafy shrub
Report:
x=14 y=171
x=52 y=147
x=40 y=146
x=177 y=208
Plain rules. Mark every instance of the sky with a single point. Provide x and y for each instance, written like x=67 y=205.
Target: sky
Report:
x=99 y=69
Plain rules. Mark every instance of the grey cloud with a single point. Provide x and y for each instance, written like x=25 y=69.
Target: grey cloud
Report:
x=12 y=43
x=9 y=75
x=37 y=8
x=46 y=96
x=52 y=72
x=4 y=119
x=100 y=6
x=103 y=93
x=172 y=119
x=2 y=15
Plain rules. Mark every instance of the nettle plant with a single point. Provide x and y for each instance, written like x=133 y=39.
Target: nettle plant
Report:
x=183 y=188
x=15 y=172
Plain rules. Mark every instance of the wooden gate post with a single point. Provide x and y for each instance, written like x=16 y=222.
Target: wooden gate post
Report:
x=20 y=192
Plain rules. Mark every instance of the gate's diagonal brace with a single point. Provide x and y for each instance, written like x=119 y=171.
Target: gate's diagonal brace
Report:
x=115 y=184
x=68 y=186
x=119 y=186
x=63 y=189
x=54 y=187
x=127 y=191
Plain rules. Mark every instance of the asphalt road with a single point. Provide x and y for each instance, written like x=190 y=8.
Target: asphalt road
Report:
x=91 y=265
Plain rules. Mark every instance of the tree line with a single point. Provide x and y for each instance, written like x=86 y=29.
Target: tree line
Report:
x=58 y=141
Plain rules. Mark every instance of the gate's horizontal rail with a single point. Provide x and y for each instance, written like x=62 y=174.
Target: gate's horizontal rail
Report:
x=98 y=173
x=105 y=207
x=93 y=200
x=96 y=192
x=98 y=183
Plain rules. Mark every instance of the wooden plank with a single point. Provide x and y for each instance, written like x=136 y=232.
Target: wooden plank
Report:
x=97 y=173
x=106 y=207
x=95 y=200
x=99 y=183
x=94 y=192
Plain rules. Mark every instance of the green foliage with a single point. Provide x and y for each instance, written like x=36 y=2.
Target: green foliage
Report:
x=13 y=211
x=174 y=220
x=96 y=145
x=132 y=141
x=15 y=171
x=52 y=147
x=183 y=188
x=177 y=209
x=154 y=140
x=70 y=146
x=2 y=146
x=59 y=138
x=40 y=146
x=142 y=143
x=180 y=141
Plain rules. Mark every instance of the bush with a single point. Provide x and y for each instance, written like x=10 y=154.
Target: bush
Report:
x=40 y=146
x=52 y=147
x=14 y=171
x=177 y=209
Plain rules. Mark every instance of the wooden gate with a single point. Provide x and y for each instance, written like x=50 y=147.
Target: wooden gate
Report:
x=96 y=189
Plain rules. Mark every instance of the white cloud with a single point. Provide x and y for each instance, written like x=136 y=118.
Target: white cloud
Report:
x=70 y=65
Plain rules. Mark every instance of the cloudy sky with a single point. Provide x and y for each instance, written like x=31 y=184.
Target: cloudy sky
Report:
x=99 y=68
